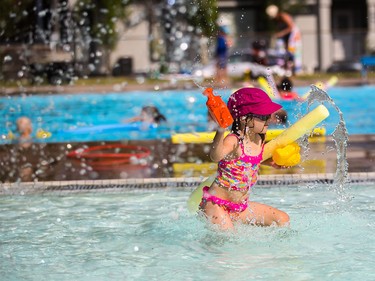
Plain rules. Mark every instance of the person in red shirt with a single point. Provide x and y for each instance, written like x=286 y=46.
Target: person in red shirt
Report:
x=286 y=92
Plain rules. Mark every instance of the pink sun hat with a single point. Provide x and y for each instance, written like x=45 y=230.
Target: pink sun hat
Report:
x=251 y=100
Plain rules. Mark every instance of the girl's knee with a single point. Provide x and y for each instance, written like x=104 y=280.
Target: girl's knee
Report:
x=283 y=219
x=216 y=215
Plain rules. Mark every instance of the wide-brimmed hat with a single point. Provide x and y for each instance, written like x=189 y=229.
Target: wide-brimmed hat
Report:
x=251 y=100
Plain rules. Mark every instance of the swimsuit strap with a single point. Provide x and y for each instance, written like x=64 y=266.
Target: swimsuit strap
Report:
x=242 y=148
x=240 y=141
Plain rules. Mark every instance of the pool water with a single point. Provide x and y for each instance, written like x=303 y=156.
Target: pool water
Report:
x=149 y=235
x=185 y=110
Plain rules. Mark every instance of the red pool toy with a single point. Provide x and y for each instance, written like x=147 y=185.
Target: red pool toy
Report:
x=104 y=155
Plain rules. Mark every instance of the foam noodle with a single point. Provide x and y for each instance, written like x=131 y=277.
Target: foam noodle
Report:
x=196 y=196
x=265 y=86
x=301 y=127
x=324 y=86
x=207 y=137
x=41 y=134
x=332 y=81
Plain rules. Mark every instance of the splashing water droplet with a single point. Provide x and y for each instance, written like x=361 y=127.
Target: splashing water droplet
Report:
x=340 y=138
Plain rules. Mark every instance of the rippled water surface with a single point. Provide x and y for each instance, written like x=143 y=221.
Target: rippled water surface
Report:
x=149 y=235
x=62 y=114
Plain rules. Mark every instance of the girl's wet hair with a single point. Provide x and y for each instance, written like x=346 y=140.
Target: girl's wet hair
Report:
x=236 y=126
x=154 y=112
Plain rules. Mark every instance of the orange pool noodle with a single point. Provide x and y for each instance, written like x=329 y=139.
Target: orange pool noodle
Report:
x=218 y=109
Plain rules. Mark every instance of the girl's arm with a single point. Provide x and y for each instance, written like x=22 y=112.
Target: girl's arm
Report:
x=132 y=119
x=222 y=145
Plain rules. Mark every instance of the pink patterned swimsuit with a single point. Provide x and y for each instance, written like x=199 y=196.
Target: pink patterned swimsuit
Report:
x=237 y=174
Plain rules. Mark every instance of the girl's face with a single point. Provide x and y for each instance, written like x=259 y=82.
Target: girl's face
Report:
x=147 y=116
x=258 y=123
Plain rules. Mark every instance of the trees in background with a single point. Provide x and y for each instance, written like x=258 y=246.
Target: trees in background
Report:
x=87 y=28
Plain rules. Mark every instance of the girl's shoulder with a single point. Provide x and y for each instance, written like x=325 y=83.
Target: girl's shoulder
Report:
x=232 y=145
x=232 y=138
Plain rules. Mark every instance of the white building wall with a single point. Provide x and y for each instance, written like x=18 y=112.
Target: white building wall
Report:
x=134 y=43
x=307 y=25
x=371 y=25
x=326 y=34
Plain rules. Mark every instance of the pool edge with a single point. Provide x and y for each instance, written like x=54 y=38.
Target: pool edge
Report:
x=111 y=185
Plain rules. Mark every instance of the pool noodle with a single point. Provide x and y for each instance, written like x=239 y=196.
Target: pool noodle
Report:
x=40 y=134
x=207 y=137
x=196 y=196
x=297 y=130
x=266 y=86
x=331 y=82
x=109 y=128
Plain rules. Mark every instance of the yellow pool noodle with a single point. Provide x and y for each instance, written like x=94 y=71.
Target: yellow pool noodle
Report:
x=41 y=134
x=303 y=126
x=263 y=83
x=332 y=81
x=324 y=86
x=207 y=137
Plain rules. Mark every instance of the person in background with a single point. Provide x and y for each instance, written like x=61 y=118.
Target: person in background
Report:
x=290 y=35
x=221 y=55
x=239 y=155
x=285 y=89
x=259 y=52
x=279 y=117
x=25 y=129
x=149 y=114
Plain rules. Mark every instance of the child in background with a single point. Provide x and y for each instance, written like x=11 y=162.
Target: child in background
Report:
x=239 y=155
x=149 y=115
x=286 y=92
x=222 y=46
x=279 y=117
x=25 y=128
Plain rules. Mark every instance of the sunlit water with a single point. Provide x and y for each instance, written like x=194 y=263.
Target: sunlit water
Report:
x=185 y=110
x=149 y=235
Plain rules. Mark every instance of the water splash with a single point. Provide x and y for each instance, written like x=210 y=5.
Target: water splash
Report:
x=340 y=138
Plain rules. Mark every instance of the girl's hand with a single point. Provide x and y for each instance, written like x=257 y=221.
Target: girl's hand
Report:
x=220 y=129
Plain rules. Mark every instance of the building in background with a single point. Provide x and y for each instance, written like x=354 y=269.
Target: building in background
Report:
x=158 y=35
x=332 y=30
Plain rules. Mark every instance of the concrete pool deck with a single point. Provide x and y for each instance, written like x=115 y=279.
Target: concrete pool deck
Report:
x=121 y=185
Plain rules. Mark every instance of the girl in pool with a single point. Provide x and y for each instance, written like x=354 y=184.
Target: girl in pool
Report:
x=149 y=114
x=239 y=155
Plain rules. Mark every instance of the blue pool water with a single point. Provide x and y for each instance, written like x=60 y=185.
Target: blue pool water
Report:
x=149 y=235
x=185 y=111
